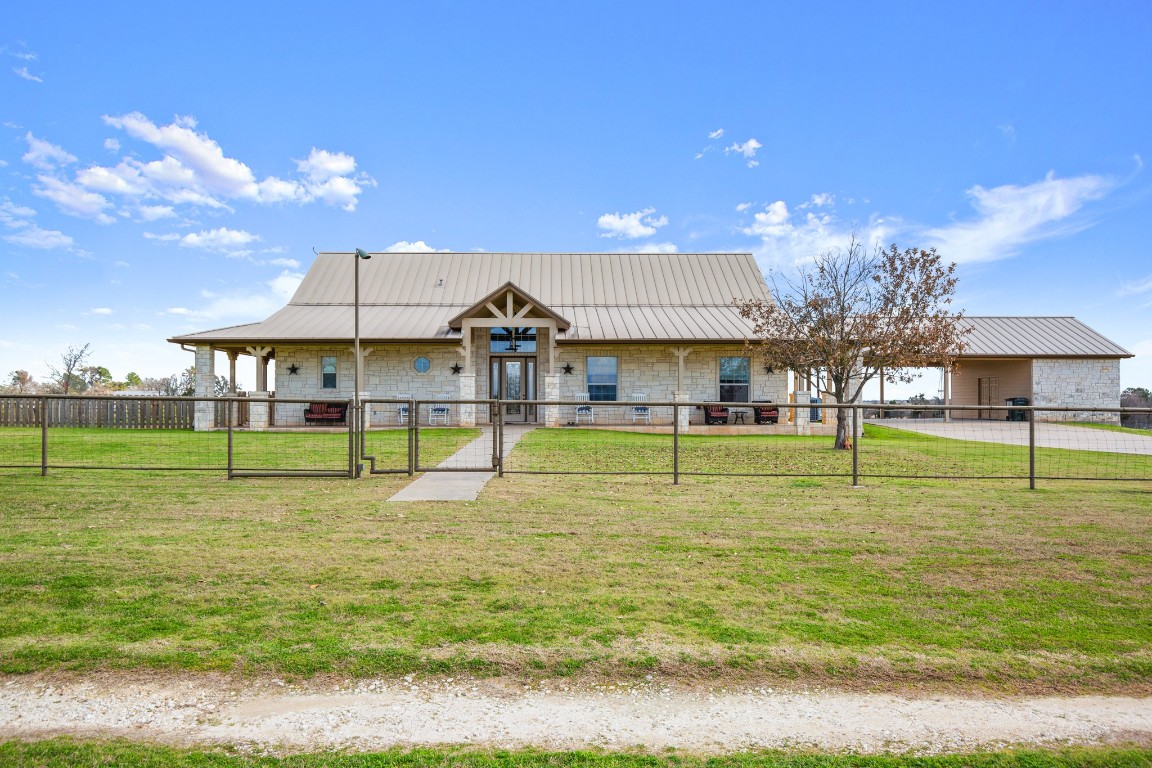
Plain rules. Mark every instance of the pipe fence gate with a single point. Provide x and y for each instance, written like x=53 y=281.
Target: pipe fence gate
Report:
x=289 y=437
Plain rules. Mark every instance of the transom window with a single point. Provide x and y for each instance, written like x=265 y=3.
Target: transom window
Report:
x=735 y=380
x=512 y=340
x=603 y=376
x=328 y=372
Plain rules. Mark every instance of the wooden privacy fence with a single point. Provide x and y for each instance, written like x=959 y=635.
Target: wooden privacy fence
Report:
x=110 y=412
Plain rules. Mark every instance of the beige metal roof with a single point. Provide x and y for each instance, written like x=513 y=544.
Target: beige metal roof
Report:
x=605 y=296
x=1036 y=337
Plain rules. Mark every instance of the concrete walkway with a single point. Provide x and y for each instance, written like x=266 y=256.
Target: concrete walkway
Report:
x=462 y=485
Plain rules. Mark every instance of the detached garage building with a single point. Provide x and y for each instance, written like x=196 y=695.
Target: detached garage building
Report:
x=1051 y=361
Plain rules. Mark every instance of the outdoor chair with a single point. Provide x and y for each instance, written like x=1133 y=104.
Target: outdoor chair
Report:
x=438 y=413
x=641 y=412
x=402 y=408
x=584 y=412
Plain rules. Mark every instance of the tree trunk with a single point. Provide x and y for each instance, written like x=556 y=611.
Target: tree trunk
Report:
x=843 y=417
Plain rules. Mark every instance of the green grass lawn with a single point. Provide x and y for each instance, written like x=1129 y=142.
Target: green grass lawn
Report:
x=66 y=752
x=897 y=584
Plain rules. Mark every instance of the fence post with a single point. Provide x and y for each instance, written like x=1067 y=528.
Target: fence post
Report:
x=414 y=421
x=1031 y=450
x=411 y=443
x=495 y=438
x=43 y=437
x=231 y=405
x=855 y=445
x=675 y=444
x=500 y=432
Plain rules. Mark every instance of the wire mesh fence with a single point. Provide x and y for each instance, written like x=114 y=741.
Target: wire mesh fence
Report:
x=308 y=437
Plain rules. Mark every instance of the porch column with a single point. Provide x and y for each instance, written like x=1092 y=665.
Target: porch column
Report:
x=204 y=413
x=232 y=355
x=802 y=412
x=551 y=392
x=467 y=392
x=258 y=411
x=261 y=355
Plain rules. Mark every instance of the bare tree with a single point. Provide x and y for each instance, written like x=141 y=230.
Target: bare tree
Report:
x=849 y=316
x=66 y=377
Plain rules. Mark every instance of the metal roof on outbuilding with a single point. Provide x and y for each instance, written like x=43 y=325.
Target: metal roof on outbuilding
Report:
x=1036 y=337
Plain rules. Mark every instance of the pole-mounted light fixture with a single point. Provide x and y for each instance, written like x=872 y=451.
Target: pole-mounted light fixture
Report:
x=360 y=254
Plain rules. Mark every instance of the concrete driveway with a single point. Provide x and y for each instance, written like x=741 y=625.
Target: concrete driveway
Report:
x=1048 y=434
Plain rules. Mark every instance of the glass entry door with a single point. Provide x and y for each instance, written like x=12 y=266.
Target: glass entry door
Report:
x=514 y=378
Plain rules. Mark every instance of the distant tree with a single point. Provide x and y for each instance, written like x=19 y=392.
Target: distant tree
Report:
x=21 y=383
x=849 y=315
x=133 y=380
x=96 y=377
x=66 y=377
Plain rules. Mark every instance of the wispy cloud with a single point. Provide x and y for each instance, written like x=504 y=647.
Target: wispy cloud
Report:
x=716 y=134
x=45 y=155
x=23 y=73
x=1007 y=218
x=230 y=242
x=631 y=226
x=1135 y=288
x=1010 y=217
x=25 y=232
x=240 y=306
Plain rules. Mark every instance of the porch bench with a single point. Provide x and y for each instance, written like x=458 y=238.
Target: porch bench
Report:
x=715 y=414
x=325 y=413
x=766 y=414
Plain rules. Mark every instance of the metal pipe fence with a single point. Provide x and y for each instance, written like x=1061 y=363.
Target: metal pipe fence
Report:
x=242 y=437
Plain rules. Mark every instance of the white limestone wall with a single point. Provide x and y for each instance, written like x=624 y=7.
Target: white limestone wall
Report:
x=388 y=373
x=652 y=368
x=1094 y=383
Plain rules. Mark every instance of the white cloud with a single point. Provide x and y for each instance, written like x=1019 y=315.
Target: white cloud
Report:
x=1011 y=216
x=747 y=150
x=654 y=248
x=716 y=134
x=73 y=199
x=23 y=72
x=112 y=145
x=289 y=263
x=45 y=155
x=32 y=236
x=285 y=284
x=194 y=170
x=165 y=238
x=156 y=212
x=101 y=311
x=631 y=226
x=403 y=246
x=230 y=242
x=743 y=207
x=788 y=238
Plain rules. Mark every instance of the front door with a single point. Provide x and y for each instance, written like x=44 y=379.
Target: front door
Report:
x=514 y=379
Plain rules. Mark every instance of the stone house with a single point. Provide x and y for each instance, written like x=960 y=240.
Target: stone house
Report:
x=573 y=326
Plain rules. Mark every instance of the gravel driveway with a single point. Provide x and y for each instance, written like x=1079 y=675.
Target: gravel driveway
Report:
x=375 y=715
x=1048 y=435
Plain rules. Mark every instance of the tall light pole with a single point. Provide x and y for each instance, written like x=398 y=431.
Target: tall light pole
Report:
x=357 y=416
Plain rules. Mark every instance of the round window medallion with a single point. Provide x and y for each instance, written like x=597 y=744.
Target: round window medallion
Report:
x=422 y=364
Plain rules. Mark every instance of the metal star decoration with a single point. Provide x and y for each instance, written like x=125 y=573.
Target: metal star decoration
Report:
x=293 y=370
x=568 y=369
x=457 y=368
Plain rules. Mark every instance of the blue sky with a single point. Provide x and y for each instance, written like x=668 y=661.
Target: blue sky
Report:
x=168 y=168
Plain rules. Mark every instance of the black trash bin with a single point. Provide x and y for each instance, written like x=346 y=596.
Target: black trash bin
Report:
x=1017 y=415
